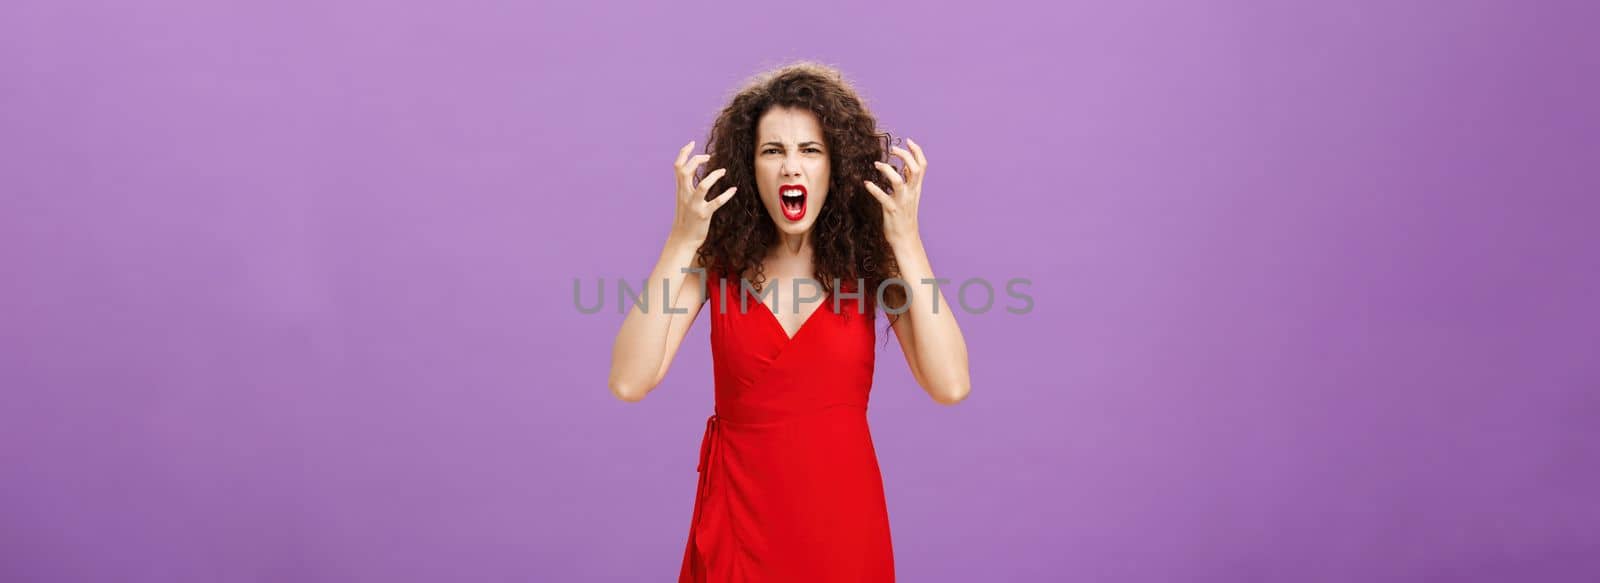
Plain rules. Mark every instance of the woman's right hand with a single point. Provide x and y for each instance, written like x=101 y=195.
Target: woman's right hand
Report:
x=693 y=220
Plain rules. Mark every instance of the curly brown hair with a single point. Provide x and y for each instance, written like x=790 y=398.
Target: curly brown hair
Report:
x=847 y=239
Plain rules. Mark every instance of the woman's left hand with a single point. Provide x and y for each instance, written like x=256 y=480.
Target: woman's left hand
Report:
x=900 y=208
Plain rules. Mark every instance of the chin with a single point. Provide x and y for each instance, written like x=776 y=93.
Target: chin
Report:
x=789 y=227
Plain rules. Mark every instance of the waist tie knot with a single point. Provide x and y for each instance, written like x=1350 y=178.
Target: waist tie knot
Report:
x=707 y=443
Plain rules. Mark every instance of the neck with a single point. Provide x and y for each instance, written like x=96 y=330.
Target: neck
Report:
x=792 y=246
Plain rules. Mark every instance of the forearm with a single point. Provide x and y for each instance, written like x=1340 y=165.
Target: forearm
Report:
x=940 y=349
x=641 y=343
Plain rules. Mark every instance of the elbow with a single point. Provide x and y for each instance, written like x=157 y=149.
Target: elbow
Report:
x=627 y=391
x=951 y=392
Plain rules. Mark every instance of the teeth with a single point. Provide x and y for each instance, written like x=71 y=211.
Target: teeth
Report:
x=791 y=193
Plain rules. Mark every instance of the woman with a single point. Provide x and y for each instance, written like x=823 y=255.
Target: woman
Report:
x=790 y=488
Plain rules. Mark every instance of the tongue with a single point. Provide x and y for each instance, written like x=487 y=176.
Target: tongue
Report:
x=796 y=210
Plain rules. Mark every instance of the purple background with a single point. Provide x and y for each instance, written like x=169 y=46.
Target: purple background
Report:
x=287 y=287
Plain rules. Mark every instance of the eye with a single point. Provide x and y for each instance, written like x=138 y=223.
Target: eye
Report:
x=812 y=150
x=769 y=150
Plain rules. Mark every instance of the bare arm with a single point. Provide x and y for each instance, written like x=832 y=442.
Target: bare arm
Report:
x=933 y=344
x=651 y=334
x=932 y=341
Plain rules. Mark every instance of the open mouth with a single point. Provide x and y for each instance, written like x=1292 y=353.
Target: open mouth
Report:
x=792 y=197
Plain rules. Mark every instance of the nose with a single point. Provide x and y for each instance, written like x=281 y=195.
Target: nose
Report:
x=790 y=168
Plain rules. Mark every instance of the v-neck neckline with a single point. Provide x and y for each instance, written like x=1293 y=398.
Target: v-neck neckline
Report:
x=827 y=297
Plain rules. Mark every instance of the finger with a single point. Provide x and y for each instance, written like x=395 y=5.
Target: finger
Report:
x=687 y=170
x=889 y=172
x=723 y=198
x=711 y=179
x=913 y=168
x=879 y=194
x=922 y=160
x=689 y=167
x=683 y=154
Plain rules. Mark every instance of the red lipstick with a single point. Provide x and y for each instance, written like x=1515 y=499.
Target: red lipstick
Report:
x=792 y=197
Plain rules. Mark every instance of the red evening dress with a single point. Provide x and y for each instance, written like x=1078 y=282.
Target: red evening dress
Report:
x=789 y=486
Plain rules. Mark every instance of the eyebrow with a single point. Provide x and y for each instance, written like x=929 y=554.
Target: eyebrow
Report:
x=801 y=144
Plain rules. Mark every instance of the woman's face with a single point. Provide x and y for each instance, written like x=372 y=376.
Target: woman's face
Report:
x=791 y=167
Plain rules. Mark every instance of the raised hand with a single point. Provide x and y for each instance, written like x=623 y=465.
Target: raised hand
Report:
x=693 y=218
x=900 y=208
